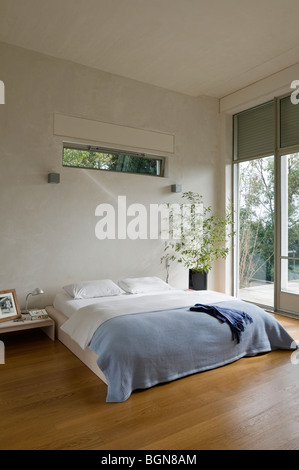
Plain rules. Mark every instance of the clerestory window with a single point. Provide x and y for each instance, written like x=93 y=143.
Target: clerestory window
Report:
x=100 y=158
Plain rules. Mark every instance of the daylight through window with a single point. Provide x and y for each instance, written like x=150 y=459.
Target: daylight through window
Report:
x=97 y=158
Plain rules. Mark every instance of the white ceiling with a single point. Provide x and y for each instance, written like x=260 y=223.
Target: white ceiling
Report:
x=196 y=47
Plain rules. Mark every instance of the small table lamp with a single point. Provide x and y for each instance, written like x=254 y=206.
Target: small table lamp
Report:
x=36 y=291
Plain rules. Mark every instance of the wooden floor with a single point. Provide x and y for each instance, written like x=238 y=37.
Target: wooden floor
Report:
x=50 y=400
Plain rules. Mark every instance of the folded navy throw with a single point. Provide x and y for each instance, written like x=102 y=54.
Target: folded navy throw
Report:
x=236 y=319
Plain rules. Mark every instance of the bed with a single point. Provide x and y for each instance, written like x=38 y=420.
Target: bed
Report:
x=142 y=332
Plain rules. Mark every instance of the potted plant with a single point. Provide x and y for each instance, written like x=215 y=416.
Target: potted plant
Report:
x=202 y=238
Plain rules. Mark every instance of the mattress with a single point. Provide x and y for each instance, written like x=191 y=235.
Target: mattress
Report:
x=66 y=304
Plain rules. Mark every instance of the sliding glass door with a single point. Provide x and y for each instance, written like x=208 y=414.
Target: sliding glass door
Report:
x=256 y=230
x=266 y=175
x=254 y=170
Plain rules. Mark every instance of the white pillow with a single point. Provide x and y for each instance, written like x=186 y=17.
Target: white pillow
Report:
x=140 y=285
x=90 y=289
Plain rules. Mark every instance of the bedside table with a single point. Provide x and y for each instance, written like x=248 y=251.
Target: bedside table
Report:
x=46 y=324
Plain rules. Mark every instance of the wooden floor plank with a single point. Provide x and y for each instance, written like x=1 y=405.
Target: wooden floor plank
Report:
x=50 y=400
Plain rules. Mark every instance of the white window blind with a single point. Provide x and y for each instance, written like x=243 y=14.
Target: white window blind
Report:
x=289 y=123
x=254 y=132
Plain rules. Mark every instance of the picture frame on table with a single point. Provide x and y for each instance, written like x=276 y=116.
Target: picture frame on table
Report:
x=9 y=306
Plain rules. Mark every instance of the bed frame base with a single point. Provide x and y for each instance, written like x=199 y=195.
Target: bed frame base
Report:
x=88 y=357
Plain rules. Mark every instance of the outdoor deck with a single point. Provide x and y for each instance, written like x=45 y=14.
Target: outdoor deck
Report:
x=264 y=294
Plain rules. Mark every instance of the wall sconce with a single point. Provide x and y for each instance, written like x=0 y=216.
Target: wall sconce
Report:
x=176 y=188
x=54 y=178
x=36 y=291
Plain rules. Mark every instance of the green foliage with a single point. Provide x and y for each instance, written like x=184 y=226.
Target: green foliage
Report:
x=257 y=217
x=109 y=161
x=256 y=220
x=203 y=236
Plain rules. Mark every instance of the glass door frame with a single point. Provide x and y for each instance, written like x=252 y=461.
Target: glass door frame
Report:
x=236 y=251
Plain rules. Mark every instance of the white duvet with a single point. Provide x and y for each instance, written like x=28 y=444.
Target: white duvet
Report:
x=84 y=321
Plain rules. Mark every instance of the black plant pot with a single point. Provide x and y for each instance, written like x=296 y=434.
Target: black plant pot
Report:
x=198 y=280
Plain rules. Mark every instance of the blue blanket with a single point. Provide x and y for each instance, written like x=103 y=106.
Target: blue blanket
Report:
x=138 y=351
